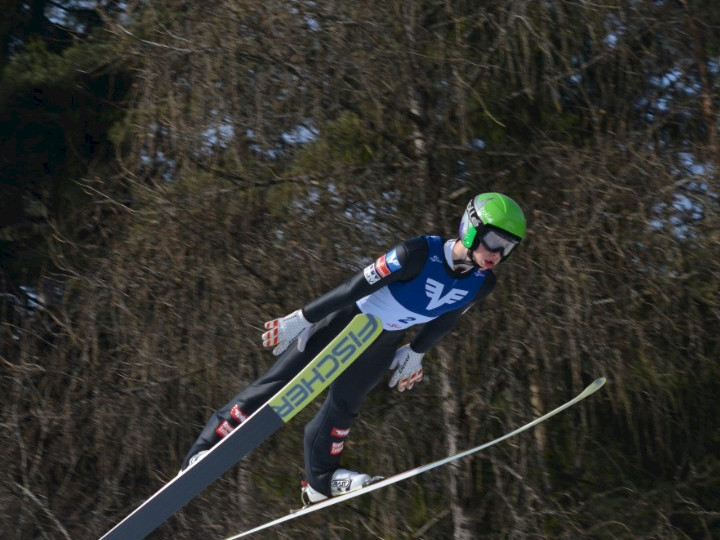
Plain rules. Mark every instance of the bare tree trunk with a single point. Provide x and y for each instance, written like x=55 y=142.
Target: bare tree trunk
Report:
x=699 y=50
x=463 y=522
x=418 y=106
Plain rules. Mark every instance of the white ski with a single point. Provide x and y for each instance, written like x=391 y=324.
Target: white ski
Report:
x=591 y=389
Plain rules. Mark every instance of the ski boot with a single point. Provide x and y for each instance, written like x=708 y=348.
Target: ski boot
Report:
x=193 y=460
x=343 y=481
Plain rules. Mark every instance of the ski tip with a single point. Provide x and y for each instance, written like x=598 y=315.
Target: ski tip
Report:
x=594 y=386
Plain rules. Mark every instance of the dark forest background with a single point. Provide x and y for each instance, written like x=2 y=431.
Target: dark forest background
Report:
x=174 y=173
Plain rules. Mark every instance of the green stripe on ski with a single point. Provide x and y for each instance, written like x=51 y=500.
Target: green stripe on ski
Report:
x=326 y=366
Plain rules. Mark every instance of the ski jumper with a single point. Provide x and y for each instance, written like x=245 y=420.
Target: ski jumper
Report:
x=413 y=284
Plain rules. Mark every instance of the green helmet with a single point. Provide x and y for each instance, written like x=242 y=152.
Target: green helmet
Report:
x=492 y=213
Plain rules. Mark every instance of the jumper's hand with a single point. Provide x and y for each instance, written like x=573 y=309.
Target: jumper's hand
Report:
x=408 y=368
x=285 y=330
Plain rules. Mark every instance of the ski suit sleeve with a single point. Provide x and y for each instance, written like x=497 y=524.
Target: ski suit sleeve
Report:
x=411 y=256
x=433 y=331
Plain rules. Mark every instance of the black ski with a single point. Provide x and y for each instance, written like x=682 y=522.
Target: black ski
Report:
x=301 y=390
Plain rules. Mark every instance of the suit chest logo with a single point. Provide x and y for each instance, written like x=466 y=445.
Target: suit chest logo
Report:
x=434 y=291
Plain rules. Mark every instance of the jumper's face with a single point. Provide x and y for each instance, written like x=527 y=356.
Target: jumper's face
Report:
x=485 y=259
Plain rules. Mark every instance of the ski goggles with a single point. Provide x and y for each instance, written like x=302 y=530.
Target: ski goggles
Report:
x=497 y=243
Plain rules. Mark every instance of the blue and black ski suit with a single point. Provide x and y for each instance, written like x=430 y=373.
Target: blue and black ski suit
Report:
x=413 y=284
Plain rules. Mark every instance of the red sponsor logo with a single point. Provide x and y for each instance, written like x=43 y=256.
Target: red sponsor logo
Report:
x=238 y=414
x=224 y=429
x=337 y=448
x=381 y=267
x=339 y=432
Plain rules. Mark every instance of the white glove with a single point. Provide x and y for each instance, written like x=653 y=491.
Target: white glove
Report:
x=282 y=332
x=408 y=368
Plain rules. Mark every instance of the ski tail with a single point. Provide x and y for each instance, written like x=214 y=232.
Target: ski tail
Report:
x=327 y=366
